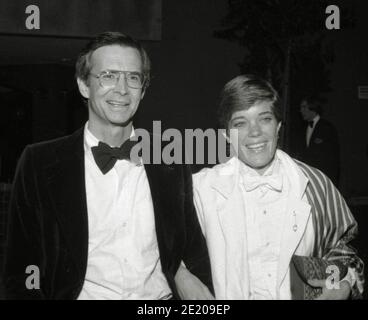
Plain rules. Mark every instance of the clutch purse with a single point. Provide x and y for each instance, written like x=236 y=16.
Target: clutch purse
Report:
x=303 y=269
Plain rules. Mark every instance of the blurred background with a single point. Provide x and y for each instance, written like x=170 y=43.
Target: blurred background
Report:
x=195 y=48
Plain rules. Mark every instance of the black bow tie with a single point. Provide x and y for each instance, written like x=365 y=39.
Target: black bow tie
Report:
x=106 y=156
x=310 y=124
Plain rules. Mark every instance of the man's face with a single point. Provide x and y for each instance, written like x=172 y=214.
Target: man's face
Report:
x=255 y=135
x=112 y=106
x=306 y=113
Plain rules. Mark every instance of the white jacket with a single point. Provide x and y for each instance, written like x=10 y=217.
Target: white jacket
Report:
x=220 y=209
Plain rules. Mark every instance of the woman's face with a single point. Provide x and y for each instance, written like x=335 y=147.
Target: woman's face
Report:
x=254 y=134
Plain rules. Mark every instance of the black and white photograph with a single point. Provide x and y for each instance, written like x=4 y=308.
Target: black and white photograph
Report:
x=207 y=150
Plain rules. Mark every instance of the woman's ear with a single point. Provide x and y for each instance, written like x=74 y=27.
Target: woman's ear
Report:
x=225 y=133
x=279 y=127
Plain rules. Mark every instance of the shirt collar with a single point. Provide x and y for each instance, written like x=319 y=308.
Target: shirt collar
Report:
x=273 y=169
x=316 y=119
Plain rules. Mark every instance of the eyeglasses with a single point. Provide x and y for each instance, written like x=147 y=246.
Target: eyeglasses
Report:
x=110 y=78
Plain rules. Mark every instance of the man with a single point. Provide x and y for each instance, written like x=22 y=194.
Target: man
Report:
x=93 y=224
x=261 y=210
x=320 y=148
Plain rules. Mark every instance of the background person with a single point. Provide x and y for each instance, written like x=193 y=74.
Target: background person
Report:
x=321 y=148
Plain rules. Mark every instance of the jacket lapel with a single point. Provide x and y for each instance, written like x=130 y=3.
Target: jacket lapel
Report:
x=160 y=179
x=66 y=185
x=316 y=132
x=231 y=215
x=297 y=215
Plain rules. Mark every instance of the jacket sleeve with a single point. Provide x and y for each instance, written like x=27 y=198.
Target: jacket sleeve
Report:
x=23 y=248
x=196 y=256
x=335 y=230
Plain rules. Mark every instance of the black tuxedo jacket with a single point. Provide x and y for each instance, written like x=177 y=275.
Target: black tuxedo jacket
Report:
x=48 y=226
x=323 y=152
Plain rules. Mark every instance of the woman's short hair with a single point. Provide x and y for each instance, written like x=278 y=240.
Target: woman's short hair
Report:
x=243 y=92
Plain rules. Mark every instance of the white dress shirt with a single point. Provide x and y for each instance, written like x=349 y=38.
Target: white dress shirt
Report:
x=123 y=256
x=265 y=217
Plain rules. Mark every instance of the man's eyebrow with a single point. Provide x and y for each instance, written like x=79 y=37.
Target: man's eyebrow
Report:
x=108 y=70
x=117 y=71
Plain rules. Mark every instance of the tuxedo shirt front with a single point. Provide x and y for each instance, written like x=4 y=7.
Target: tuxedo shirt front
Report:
x=123 y=255
x=265 y=219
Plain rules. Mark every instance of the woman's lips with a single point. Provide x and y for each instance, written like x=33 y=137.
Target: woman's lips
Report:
x=256 y=147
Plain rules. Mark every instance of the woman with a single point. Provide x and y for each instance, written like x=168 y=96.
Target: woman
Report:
x=261 y=208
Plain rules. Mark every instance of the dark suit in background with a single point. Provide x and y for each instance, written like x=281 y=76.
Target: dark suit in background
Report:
x=323 y=151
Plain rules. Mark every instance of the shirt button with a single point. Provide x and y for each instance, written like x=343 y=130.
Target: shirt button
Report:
x=124 y=224
x=269 y=275
x=267 y=244
x=264 y=212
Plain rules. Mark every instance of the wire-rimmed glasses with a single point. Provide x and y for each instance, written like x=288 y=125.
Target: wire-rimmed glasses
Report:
x=110 y=78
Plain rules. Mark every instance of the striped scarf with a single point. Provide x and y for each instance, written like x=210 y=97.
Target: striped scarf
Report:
x=333 y=223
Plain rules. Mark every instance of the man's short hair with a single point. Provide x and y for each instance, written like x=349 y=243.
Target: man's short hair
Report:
x=242 y=93
x=314 y=104
x=83 y=64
